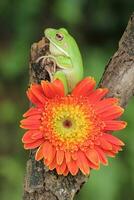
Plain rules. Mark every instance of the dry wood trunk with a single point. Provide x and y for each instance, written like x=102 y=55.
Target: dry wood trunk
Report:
x=42 y=184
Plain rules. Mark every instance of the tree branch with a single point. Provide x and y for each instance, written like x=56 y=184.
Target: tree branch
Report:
x=42 y=184
x=119 y=73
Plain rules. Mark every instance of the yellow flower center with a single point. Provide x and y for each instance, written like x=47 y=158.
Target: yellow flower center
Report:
x=68 y=122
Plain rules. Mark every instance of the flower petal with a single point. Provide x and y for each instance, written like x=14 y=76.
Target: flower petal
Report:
x=65 y=173
x=48 y=89
x=105 y=144
x=30 y=136
x=110 y=153
x=92 y=155
x=59 y=88
x=114 y=125
x=112 y=112
x=97 y=95
x=93 y=166
x=36 y=95
x=115 y=148
x=33 y=98
x=52 y=165
x=74 y=155
x=113 y=140
x=68 y=156
x=84 y=87
x=30 y=126
x=31 y=120
x=37 y=91
x=102 y=156
x=61 y=168
x=59 y=156
x=37 y=135
x=46 y=147
x=39 y=153
x=27 y=137
x=32 y=111
x=72 y=167
x=51 y=154
x=105 y=104
x=53 y=89
x=34 y=144
x=83 y=163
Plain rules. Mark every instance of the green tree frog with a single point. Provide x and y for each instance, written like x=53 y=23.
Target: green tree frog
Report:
x=65 y=52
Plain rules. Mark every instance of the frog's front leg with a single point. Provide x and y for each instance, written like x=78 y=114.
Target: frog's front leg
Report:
x=44 y=62
x=63 y=63
x=62 y=77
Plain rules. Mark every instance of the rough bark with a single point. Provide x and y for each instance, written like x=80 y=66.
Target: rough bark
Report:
x=42 y=184
x=119 y=73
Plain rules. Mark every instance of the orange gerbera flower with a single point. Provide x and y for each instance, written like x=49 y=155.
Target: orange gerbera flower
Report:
x=72 y=132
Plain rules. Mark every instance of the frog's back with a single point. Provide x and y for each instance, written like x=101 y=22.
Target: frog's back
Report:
x=76 y=58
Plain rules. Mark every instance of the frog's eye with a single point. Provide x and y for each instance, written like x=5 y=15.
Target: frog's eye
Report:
x=59 y=36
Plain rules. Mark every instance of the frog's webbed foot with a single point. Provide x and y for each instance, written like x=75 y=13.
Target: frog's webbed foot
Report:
x=50 y=64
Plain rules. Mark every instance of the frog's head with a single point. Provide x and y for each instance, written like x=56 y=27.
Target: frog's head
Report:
x=58 y=40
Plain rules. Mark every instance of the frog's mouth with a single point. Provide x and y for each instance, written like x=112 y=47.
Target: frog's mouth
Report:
x=56 y=50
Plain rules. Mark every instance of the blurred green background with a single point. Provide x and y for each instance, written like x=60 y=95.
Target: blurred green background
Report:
x=97 y=26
